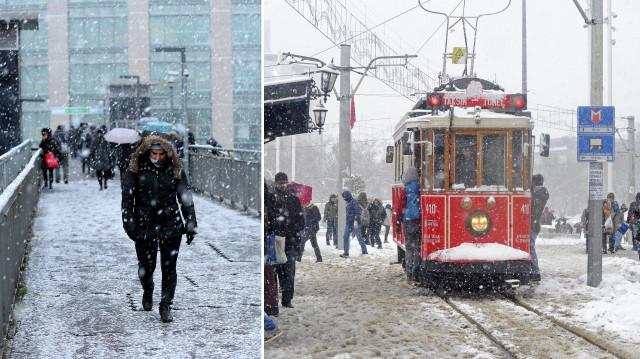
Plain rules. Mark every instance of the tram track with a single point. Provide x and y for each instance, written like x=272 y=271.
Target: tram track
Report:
x=520 y=330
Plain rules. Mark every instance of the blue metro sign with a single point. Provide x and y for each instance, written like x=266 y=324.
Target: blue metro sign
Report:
x=596 y=134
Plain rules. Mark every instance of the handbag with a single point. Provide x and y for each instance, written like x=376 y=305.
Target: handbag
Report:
x=608 y=224
x=281 y=256
x=270 y=258
x=50 y=159
x=623 y=228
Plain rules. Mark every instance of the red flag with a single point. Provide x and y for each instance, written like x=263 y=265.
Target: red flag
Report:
x=353 y=111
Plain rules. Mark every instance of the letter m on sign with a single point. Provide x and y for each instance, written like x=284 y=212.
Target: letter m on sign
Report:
x=596 y=116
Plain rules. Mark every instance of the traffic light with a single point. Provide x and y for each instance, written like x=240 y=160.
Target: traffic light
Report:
x=544 y=144
x=434 y=101
x=518 y=102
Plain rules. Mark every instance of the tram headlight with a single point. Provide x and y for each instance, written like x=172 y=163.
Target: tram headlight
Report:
x=466 y=203
x=479 y=223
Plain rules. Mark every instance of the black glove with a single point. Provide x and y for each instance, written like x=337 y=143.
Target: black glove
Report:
x=190 y=237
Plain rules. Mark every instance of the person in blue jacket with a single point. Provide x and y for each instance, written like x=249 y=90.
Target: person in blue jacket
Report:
x=353 y=224
x=411 y=223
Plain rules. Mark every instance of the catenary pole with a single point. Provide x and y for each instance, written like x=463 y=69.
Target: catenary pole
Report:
x=524 y=47
x=609 y=83
x=594 y=246
x=632 y=156
x=344 y=136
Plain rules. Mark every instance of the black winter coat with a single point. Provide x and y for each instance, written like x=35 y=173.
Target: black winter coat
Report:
x=634 y=211
x=539 y=197
x=49 y=146
x=287 y=217
x=101 y=157
x=152 y=201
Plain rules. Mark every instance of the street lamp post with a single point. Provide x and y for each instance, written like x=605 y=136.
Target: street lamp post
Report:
x=183 y=75
x=137 y=77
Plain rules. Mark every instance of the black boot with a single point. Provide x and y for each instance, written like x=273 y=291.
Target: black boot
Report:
x=100 y=181
x=105 y=183
x=147 y=299
x=50 y=183
x=165 y=313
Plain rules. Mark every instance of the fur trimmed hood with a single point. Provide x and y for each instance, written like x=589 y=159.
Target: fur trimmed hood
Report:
x=141 y=155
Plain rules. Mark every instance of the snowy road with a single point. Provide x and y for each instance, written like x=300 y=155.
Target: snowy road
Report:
x=361 y=307
x=83 y=298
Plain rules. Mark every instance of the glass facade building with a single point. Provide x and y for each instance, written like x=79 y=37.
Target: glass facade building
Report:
x=81 y=47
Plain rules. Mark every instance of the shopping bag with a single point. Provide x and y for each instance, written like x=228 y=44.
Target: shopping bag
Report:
x=270 y=257
x=281 y=256
x=50 y=159
x=608 y=224
x=623 y=228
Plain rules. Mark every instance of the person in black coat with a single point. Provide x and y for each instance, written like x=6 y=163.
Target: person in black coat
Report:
x=288 y=221
x=155 y=198
x=311 y=227
x=539 y=198
x=101 y=158
x=48 y=145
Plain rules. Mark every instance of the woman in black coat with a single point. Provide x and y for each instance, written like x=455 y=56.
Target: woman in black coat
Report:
x=48 y=145
x=155 y=199
x=101 y=158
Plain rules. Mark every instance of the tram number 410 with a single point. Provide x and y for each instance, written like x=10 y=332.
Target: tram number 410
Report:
x=526 y=208
x=431 y=208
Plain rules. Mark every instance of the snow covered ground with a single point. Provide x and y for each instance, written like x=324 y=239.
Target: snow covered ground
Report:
x=83 y=294
x=362 y=307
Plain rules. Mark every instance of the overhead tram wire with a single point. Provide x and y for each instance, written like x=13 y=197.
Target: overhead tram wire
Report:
x=369 y=29
x=438 y=28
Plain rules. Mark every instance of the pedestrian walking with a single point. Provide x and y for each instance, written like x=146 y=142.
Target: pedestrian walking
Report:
x=617 y=222
x=331 y=218
x=377 y=215
x=269 y=277
x=608 y=215
x=353 y=224
x=64 y=142
x=539 y=198
x=155 y=199
x=387 y=221
x=49 y=145
x=633 y=219
x=101 y=159
x=364 y=216
x=409 y=206
x=311 y=219
x=288 y=222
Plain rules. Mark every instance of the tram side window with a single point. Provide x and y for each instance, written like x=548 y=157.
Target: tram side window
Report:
x=516 y=166
x=438 y=160
x=465 y=160
x=493 y=160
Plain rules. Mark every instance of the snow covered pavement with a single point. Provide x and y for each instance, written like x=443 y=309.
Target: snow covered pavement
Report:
x=83 y=295
x=362 y=307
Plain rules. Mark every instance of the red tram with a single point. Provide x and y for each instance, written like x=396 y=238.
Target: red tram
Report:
x=472 y=144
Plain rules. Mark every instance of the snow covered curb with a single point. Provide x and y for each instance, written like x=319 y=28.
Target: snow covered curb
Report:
x=480 y=252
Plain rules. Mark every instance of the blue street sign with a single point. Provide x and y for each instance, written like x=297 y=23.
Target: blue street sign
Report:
x=596 y=134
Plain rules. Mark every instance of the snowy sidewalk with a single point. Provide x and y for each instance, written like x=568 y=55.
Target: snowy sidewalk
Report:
x=83 y=293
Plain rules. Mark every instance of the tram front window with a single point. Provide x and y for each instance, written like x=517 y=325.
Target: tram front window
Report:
x=493 y=157
x=465 y=160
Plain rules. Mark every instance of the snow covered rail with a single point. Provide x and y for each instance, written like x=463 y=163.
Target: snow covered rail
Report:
x=227 y=174
x=521 y=331
x=17 y=203
x=12 y=162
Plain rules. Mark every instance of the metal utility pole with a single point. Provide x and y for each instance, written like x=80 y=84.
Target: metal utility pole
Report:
x=344 y=137
x=632 y=156
x=594 y=247
x=609 y=84
x=524 y=47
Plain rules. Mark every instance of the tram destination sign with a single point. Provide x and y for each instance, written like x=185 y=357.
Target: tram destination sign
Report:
x=596 y=134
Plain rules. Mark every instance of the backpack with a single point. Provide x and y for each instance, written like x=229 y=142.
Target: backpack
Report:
x=364 y=216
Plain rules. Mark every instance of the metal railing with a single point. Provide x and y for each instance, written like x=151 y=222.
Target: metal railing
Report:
x=227 y=174
x=12 y=162
x=17 y=204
